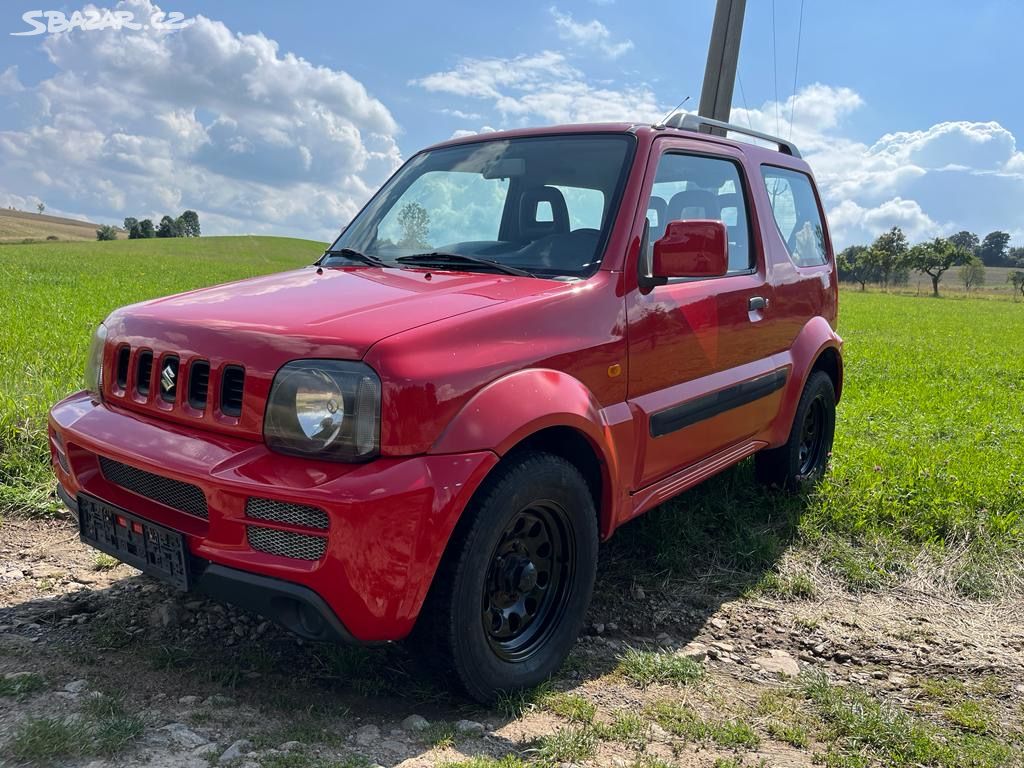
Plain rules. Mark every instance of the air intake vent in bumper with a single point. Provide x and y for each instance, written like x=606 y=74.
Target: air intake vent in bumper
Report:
x=183 y=497
x=284 y=512
x=298 y=546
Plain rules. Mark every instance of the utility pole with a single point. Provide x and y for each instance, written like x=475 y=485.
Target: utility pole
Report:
x=723 y=56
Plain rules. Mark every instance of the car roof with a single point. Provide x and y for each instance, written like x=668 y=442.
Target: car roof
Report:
x=757 y=152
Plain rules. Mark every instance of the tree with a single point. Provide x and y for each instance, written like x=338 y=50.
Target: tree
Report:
x=146 y=229
x=1016 y=257
x=1017 y=278
x=40 y=206
x=168 y=228
x=129 y=223
x=106 y=232
x=888 y=254
x=935 y=257
x=188 y=224
x=992 y=250
x=966 y=240
x=854 y=264
x=415 y=223
x=972 y=275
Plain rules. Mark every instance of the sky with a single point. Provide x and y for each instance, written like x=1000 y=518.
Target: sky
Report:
x=283 y=118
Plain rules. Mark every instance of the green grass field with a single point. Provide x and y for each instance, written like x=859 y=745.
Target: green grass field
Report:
x=929 y=452
x=53 y=296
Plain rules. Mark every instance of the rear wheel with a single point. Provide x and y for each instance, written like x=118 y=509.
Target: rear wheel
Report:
x=802 y=461
x=511 y=594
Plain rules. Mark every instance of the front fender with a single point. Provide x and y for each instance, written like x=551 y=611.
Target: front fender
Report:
x=516 y=406
x=814 y=338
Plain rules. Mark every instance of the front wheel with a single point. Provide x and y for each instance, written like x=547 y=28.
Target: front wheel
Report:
x=801 y=462
x=512 y=592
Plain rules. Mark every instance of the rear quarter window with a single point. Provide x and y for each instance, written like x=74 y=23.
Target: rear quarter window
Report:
x=796 y=213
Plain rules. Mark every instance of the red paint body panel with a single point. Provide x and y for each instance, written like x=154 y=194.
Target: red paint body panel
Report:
x=389 y=520
x=470 y=365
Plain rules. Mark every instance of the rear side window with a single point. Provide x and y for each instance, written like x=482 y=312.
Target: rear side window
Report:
x=696 y=187
x=797 y=215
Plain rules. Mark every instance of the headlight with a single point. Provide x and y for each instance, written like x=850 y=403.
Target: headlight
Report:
x=94 y=363
x=327 y=409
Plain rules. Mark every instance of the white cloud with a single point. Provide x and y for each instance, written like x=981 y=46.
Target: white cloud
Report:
x=950 y=176
x=848 y=218
x=589 y=34
x=146 y=123
x=543 y=87
x=462 y=132
x=9 y=82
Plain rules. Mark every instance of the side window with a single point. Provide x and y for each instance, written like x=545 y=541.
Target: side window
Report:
x=694 y=187
x=797 y=215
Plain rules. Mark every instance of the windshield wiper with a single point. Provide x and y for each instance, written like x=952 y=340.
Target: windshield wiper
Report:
x=354 y=255
x=440 y=259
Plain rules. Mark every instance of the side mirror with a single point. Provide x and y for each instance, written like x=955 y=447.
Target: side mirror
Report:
x=693 y=248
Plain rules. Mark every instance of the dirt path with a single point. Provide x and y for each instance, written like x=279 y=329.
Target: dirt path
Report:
x=101 y=666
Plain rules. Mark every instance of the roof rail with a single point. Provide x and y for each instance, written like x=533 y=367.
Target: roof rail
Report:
x=687 y=121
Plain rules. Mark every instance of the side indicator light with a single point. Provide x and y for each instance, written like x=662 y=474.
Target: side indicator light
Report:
x=614 y=370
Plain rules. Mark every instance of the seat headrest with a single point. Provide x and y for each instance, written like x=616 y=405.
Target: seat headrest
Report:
x=660 y=207
x=529 y=203
x=702 y=200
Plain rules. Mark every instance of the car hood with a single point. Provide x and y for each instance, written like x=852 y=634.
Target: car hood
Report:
x=329 y=312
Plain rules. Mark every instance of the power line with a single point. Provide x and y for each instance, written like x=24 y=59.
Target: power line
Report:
x=743 y=96
x=775 y=71
x=796 y=67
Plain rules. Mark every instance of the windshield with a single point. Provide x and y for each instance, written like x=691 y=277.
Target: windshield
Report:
x=543 y=205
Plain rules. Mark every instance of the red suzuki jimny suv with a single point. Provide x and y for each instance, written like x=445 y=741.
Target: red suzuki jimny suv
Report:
x=524 y=340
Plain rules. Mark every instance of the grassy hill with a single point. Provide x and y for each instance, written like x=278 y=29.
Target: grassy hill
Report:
x=18 y=226
x=53 y=296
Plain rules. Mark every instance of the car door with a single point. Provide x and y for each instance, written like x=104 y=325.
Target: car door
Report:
x=702 y=371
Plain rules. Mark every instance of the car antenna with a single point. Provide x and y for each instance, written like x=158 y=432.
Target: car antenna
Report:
x=661 y=123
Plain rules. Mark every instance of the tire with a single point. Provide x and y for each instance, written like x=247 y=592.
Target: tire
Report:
x=801 y=462
x=527 y=542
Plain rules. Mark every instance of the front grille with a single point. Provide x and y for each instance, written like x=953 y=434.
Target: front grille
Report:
x=63 y=461
x=232 y=385
x=284 y=512
x=298 y=546
x=198 y=384
x=145 y=372
x=184 y=497
x=179 y=381
x=169 y=379
x=123 y=356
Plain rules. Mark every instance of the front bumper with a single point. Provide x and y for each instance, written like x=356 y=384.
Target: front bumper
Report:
x=388 y=521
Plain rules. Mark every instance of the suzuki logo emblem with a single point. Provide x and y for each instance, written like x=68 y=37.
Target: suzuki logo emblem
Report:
x=167 y=378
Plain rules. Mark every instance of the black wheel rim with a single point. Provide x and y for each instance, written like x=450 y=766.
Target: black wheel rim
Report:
x=528 y=581
x=812 y=438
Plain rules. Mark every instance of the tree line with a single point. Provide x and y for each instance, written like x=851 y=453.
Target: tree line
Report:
x=890 y=259
x=186 y=225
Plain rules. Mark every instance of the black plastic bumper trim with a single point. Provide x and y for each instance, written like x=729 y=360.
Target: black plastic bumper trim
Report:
x=69 y=501
x=297 y=608
x=689 y=413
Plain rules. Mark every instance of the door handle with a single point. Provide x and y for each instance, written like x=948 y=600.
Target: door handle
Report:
x=757 y=302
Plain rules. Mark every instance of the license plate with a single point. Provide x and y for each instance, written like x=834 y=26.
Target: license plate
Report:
x=147 y=546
